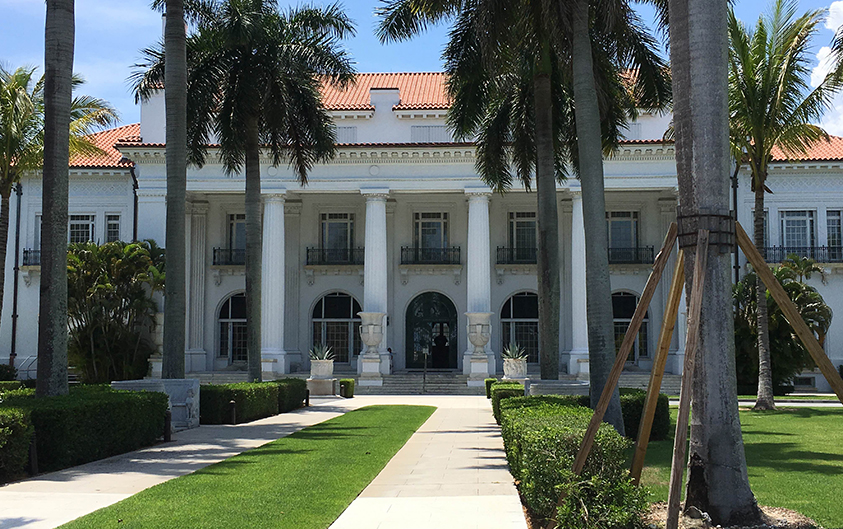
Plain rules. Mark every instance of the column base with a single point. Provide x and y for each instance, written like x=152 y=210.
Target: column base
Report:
x=273 y=363
x=369 y=369
x=321 y=386
x=156 y=365
x=492 y=362
x=578 y=362
x=675 y=362
x=195 y=360
x=478 y=371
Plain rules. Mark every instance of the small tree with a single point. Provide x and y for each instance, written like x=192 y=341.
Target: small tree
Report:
x=110 y=308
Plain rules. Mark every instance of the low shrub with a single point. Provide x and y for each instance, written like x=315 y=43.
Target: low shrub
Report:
x=89 y=423
x=15 y=437
x=347 y=387
x=504 y=390
x=632 y=407
x=253 y=400
x=8 y=372
x=489 y=382
x=542 y=436
x=291 y=393
x=10 y=385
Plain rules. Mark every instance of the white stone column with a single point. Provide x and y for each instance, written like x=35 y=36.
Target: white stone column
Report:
x=273 y=356
x=196 y=354
x=478 y=273
x=681 y=335
x=375 y=283
x=579 y=320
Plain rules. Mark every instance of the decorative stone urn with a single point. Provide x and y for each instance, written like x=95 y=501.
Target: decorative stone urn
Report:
x=321 y=369
x=479 y=334
x=515 y=368
x=369 y=364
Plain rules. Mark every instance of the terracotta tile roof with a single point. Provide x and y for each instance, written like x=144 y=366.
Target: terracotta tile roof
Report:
x=418 y=91
x=106 y=140
x=822 y=151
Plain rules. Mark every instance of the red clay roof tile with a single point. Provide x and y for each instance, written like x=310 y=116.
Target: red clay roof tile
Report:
x=105 y=140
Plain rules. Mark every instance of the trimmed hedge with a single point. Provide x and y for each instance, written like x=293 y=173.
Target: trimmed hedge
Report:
x=489 y=382
x=253 y=400
x=89 y=423
x=10 y=385
x=542 y=436
x=347 y=387
x=504 y=390
x=291 y=393
x=15 y=437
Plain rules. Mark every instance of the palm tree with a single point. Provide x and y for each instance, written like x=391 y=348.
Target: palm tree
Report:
x=22 y=135
x=717 y=477
x=803 y=267
x=254 y=77
x=510 y=79
x=771 y=105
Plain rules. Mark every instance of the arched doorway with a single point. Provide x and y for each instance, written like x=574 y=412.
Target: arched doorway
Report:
x=431 y=325
x=337 y=325
x=520 y=324
x=231 y=322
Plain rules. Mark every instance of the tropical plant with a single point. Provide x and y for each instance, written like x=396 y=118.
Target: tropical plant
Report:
x=254 y=78
x=771 y=105
x=804 y=267
x=110 y=311
x=514 y=351
x=521 y=77
x=321 y=352
x=787 y=354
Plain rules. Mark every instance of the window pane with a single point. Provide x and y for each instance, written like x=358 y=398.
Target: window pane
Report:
x=623 y=305
x=835 y=235
x=238 y=307
x=337 y=306
x=527 y=336
x=525 y=306
x=797 y=228
x=224 y=328
x=337 y=338
x=238 y=342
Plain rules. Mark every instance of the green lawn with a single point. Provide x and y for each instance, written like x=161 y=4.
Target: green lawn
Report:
x=303 y=481
x=795 y=459
x=792 y=397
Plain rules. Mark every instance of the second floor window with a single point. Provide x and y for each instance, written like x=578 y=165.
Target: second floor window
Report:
x=346 y=134
x=429 y=134
x=835 y=229
x=797 y=229
x=112 y=228
x=522 y=229
x=237 y=231
x=431 y=230
x=622 y=229
x=337 y=231
x=81 y=228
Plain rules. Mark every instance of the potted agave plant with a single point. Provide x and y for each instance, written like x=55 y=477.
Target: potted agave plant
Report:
x=321 y=362
x=514 y=362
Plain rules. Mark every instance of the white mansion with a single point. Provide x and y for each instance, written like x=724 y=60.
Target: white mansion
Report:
x=399 y=222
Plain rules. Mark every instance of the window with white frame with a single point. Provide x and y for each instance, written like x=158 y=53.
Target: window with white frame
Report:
x=81 y=228
x=237 y=231
x=336 y=324
x=797 y=229
x=522 y=231
x=623 y=307
x=429 y=134
x=112 y=228
x=520 y=323
x=834 y=228
x=337 y=231
x=36 y=237
x=232 y=329
x=431 y=230
x=622 y=229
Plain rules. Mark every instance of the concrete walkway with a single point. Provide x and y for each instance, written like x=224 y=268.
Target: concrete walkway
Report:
x=50 y=500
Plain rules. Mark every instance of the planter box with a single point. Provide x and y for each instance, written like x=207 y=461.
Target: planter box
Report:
x=321 y=369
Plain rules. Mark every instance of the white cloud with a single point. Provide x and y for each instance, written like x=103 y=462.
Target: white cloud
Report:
x=835 y=16
x=823 y=67
x=833 y=119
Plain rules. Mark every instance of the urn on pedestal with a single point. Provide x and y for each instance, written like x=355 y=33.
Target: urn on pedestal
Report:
x=479 y=334
x=371 y=332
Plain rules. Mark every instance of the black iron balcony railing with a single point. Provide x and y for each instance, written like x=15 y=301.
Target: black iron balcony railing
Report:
x=229 y=256
x=335 y=256
x=31 y=257
x=516 y=255
x=637 y=255
x=440 y=256
x=820 y=254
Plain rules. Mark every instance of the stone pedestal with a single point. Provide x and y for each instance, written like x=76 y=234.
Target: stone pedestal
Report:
x=156 y=365
x=370 y=364
x=195 y=360
x=321 y=386
x=478 y=371
x=476 y=364
x=370 y=371
x=183 y=394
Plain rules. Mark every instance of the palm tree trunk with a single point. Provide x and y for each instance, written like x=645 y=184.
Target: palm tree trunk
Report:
x=175 y=99
x=254 y=238
x=52 y=322
x=717 y=477
x=601 y=335
x=547 y=223
x=764 y=401
x=4 y=241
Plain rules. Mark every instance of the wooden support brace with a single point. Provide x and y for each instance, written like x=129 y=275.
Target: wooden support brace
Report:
x=671 y=312
x=806 y=336
x=691 y=345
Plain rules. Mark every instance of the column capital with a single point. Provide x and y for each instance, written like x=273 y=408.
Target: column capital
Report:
x=274 y=197
x=375 y=194
x=198 y=208
x=478 y=193
x=576 y=192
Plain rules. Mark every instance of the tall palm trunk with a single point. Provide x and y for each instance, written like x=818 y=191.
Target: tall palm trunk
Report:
x=717 y=478
x=4 y=241
x=175 y=99
x=52 y=322
x=254 y=238
x=764 y=400
x=547 y=222
x=601 y=336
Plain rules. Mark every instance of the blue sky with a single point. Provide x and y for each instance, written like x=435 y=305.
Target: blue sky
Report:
x=110 y=33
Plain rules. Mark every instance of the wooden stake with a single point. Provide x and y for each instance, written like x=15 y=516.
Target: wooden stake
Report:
x=691 y=344
x=671 y=312
x=626 y=347
x=806 y=336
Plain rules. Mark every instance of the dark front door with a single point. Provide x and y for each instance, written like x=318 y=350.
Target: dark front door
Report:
x=431 y=327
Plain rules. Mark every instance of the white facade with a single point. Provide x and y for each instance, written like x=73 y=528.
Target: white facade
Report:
x=401 y=213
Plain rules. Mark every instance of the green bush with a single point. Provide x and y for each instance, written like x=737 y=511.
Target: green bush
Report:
x=15 y=436
x=253 y=400
x=542 y=436
x=489 y=382
x=504 y=390
x=632 y=407
x=347 y=387
x=8 y=372
x=291 y=393
x=9 y=385
x=89 y=423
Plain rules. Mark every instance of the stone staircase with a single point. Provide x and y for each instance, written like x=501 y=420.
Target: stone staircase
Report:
x=412 y=383
x=670 y=383
x=219 y=377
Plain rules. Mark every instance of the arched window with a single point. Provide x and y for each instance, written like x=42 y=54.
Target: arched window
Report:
x=520 y=323
x=232 y=329
x=623 y=307
x=337 y=325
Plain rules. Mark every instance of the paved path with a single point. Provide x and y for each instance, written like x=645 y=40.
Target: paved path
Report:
x=52 y=499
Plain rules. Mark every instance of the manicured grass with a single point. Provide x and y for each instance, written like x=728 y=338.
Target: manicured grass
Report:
x=303 y=481
x=795 y=460
x=792 y=397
